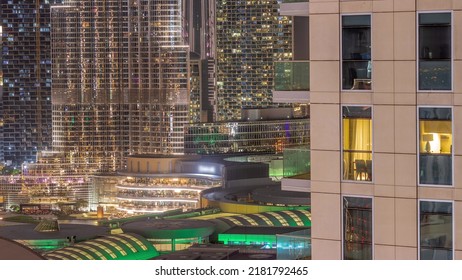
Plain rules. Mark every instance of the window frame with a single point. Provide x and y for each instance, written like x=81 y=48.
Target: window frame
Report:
x=452 y=220
x=418 y=147
x=343 y=180
x=341 y=53
x=417 y=56
x=343 y=222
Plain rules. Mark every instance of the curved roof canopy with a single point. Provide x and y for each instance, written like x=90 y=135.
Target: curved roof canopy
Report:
x=170 y=229
x=12 y=250
x=294 y=218
x=126 y=246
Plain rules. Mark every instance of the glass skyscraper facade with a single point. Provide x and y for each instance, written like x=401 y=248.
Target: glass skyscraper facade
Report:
x=120 y=80
x=25 y=115
x=250 y=36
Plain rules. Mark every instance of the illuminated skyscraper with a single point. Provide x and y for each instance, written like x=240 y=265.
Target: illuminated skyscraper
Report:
x=26 y=65
x=200 y=30
x=1 y=103
x=250 y=36
x=120 y=80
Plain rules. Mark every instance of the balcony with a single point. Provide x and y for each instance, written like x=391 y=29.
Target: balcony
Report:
x=295 y=8
x=297 y=169
x=291 y=82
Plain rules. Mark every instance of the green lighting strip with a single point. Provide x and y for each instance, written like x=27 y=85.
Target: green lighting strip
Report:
x=106 y=249
x=279 y=218
x=93 y=250
x=265 y=219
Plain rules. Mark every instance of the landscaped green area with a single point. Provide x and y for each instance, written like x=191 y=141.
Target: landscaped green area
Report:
x=22 y=219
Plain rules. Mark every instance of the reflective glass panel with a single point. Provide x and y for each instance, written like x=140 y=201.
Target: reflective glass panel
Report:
x=435 y=51
x=436 y=230
x=356 y=52
x=357 y=228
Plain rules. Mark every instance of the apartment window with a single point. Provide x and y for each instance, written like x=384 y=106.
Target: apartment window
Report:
x=357 y=143
x=435 y=51
x=435 y=146
x=356 y=52
x=357 y=228
x=436 y=230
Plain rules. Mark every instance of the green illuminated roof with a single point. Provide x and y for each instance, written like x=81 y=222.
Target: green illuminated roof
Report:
x=294 y=218
x=126 y=246
x=170 y=229
x=47 y=226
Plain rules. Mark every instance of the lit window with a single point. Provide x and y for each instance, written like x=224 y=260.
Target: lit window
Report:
x=357 y=143
x=435 y=137
x=356 y=52
x=435 y=51
x=436 y=230
x=357 y=228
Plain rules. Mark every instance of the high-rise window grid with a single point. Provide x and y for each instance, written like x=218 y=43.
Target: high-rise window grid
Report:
x=120 y=79
x=26 y=84
x=250 y=36
x=250 y=136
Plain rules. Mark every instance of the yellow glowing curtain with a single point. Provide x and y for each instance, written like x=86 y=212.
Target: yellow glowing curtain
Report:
x=357 y=144
x=357 y=135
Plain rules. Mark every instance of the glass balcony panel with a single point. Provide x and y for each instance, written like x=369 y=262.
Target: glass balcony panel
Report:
x=297 y=163
x=357 y=228
x=357 y=166
x=436 y=230
x=292 y=76
x=357 y=75
x=435 y=169
x=435 y=75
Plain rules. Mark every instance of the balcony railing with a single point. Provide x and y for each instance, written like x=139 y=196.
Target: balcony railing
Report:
x=292 y=76
x=297 y=162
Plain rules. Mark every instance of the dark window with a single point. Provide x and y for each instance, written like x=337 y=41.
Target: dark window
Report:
x=356 y=52
x=435 y=51
x=357 y=228
x=436 y=230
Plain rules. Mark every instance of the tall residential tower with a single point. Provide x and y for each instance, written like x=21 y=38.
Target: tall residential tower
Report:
x=386 y=143
x=250 y=36
x=26 y=65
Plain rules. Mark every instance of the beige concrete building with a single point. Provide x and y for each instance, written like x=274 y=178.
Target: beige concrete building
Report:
x=386 y=125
